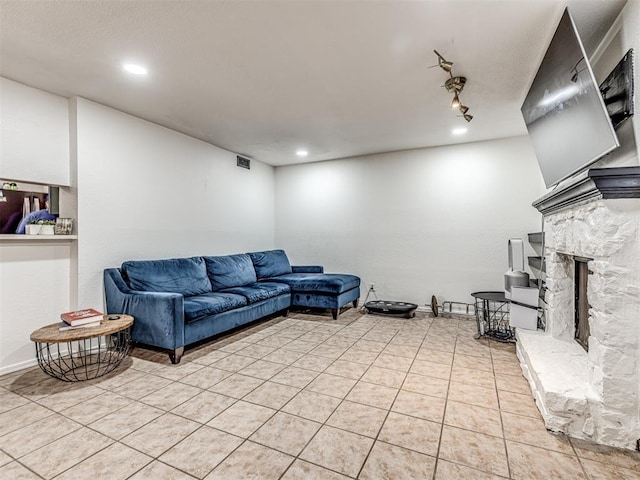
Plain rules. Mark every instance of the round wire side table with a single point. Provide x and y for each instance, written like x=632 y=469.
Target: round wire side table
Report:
x=83 y=353
x=492 y=316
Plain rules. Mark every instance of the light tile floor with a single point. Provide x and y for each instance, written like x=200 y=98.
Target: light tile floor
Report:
x=303 y=397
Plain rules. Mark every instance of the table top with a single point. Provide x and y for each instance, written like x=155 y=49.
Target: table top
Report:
x=52 y=334
x=494 y=296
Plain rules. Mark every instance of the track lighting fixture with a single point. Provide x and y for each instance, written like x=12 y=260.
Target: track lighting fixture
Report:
x=454 y=85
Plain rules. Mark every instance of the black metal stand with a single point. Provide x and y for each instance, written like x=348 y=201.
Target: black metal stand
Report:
x=371 y=291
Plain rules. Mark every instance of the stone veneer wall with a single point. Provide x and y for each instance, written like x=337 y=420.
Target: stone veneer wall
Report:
x=607 y=231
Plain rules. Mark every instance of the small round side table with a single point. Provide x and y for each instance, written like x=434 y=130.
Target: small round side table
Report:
x=83 y=353
x=492 y=316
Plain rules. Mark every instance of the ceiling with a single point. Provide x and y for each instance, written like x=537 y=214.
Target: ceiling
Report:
x=265 y=78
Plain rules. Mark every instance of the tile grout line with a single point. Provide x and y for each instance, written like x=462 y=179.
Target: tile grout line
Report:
x=504 y=436
x=296 y=457
x=172 y=380
x=14 y=459
x=575 y=452
x=446 y=402
x=156 y=458
x=132 y=400
x=388 y=342
x=342 y=400
x=245 y=440
x=324 y=423
x=392 y=403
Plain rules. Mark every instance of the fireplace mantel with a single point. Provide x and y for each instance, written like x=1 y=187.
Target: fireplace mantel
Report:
x=594 y=184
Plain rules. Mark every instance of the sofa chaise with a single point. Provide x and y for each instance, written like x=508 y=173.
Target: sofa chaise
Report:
x=180 y=301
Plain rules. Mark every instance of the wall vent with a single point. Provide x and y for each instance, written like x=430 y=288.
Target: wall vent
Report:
x=244 y=162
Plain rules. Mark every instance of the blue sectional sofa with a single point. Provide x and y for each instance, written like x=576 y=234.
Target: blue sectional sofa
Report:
x=180 y=301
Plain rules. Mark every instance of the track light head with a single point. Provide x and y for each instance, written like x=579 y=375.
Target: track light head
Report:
x=463 y=109
x=455 y=103
x=468 y=117
x=443 y=64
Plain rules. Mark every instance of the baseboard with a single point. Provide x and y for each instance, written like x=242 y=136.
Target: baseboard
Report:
x=18 y=366
x=25 y=364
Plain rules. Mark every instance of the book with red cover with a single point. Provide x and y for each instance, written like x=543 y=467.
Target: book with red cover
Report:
x=64 y=326
x=80 y=317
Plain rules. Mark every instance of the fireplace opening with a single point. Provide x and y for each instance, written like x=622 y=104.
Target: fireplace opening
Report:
x=581 y=304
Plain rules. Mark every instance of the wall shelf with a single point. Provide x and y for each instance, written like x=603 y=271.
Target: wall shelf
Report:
x=537 y=262
x=13 y=237
x=537 y=238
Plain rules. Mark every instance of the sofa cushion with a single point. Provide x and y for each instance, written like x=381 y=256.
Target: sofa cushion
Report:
x=230 y=271
x=307 y=269
x=319 y=282
x=187 y=276
x=207 y=304
x=259 y=291
x=270 y=263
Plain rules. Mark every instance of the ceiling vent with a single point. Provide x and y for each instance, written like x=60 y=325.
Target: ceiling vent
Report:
x=244 y=162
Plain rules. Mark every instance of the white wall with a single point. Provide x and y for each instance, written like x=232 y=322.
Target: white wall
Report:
x=35 y=276
x=147 y=192
x=34 y=135
x=34 y=289
x=416 y=223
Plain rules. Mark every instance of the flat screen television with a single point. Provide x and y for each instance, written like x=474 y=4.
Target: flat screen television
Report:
x=564 y=111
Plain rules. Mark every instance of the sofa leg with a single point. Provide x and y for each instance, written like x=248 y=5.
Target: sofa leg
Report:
x=285 y=312
x=355 y=303
x=335 y=312
x=175 y=355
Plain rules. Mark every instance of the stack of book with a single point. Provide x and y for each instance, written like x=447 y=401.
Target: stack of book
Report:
x=80 y=319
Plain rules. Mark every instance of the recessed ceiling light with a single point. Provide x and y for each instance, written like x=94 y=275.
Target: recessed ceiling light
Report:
x=134 y=68
x=302 y=153
x=459 y=131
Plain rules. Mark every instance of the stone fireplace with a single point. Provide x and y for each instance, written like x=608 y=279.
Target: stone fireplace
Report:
x=592 y=394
